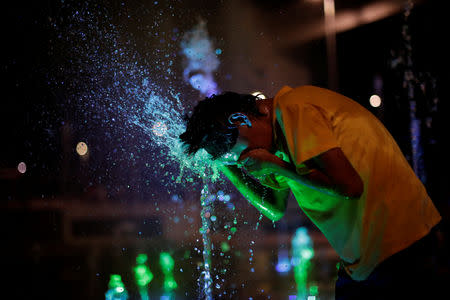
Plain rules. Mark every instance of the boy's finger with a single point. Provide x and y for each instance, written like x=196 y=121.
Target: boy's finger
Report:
x=246 y=162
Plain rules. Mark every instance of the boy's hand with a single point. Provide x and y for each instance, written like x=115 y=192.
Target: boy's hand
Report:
x=260 y=162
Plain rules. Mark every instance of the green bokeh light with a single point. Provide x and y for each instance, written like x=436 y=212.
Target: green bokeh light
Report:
x=141 y=259
x=166 y=261
x=167 y=264
x=115 y=281
x=225 y=246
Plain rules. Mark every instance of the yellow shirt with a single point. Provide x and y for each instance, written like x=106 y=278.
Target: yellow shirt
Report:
x=394 y=210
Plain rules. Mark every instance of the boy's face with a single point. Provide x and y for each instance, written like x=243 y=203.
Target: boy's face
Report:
x=256 y=136
x=249 y=138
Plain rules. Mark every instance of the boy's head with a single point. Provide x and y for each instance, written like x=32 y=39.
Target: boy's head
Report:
x=211 y=125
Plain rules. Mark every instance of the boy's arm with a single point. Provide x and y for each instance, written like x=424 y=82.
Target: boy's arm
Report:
x=271 y=203
x=330 y=172
x=340 y=172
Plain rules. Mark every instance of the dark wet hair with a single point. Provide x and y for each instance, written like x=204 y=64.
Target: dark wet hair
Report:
x=208 y=126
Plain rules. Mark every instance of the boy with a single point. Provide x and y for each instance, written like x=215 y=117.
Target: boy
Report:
x=346 y=172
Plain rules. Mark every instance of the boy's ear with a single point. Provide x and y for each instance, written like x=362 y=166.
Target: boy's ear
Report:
x=239 y=119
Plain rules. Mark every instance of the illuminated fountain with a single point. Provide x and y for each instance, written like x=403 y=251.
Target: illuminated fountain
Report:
x=302 y=253
x=116 y=289
x=200 y=63
x=167 y=264
x=143 y=275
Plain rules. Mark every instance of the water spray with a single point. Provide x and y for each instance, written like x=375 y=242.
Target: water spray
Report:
x=124 y=100
x=200 y=63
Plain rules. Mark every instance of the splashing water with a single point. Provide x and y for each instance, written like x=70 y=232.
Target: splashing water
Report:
x=125 y=99
x=163 y=124
x=205 y=279
x=126 y=102
x=200 y=63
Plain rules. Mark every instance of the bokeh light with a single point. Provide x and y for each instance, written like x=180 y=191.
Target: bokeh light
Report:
x=22 y=167
x=259 y=95
x=82 y=148
x=159 y=129
x=375 y=100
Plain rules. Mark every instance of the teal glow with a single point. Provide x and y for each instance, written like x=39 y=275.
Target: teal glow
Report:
x=116 y=289
x=307 y=253
x=302 y=253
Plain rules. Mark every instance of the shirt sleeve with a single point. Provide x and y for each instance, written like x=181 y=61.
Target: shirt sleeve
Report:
x=307 y=130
